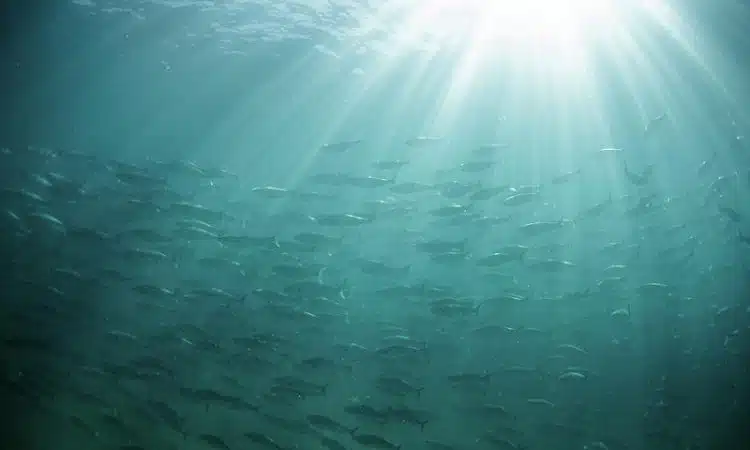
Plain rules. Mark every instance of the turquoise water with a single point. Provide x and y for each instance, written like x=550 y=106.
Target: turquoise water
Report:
x=347 y=225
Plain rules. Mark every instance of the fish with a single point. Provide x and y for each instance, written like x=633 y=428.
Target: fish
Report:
x=566 y=177
x=375 y=442
x=340 y=147
x=520 y=199
x=365 y=294
x=423 y=141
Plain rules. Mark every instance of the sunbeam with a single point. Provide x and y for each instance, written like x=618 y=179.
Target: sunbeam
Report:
x=503 y=26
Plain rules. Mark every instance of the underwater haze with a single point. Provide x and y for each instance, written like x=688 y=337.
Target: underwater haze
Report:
x=387 y=225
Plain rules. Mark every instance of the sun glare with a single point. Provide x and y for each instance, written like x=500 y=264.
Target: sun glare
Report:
x=506 y=21
x=553 y=37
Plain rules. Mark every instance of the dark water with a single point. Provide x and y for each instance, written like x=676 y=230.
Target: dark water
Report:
x=341 y=225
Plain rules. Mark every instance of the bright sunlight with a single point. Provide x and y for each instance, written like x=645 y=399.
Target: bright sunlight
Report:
x=514 y=20
x=556 y=34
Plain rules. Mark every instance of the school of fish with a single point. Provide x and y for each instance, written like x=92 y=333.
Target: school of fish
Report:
x=168 y=305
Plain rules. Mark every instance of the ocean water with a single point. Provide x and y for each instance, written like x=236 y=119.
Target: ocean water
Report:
x=416 y=225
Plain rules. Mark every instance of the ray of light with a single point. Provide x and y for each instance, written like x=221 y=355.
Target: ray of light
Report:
x=555 y=47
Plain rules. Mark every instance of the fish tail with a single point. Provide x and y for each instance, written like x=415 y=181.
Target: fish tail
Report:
x=353 y=431
x=419 y=392
x=422 y=424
